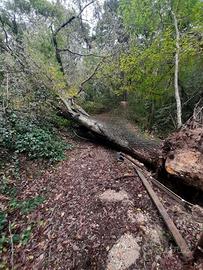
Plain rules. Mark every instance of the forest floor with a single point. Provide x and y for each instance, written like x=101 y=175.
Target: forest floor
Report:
x=97 y=215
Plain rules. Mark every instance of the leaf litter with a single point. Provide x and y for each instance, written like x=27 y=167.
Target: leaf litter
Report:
x=77 y=228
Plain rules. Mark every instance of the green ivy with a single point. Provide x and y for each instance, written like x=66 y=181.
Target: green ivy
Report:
x=24 y=135
x=41 y=144
x=15 y=208
x=26 y=206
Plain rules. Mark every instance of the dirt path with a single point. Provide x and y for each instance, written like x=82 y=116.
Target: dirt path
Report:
x=97 y=215
x=122 y=128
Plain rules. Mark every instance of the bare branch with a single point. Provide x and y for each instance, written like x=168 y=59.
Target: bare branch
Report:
x=72 y=18
x=89 y=78
x=81 y=54
x=54 y=35
x=4 y=47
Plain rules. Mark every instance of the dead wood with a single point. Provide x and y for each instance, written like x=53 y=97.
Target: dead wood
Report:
x=104 y=133
x=181 y=155
x=183 y=151
x=187 y=254
x=158 y=184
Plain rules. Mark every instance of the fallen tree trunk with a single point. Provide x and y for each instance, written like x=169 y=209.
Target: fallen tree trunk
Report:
x=103 y=132
x=180 y=156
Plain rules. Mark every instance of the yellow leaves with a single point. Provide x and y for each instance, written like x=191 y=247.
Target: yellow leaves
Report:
x=128 y=61
x=60 y=85
x=72 y=91
x=54 y=72
x=57 y=78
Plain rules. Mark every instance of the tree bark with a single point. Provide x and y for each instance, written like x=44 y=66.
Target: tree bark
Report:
x=105 y=134
x=177 y=93
x=181 y=155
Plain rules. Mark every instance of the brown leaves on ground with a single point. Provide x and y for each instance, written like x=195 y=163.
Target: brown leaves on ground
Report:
x=77 y=227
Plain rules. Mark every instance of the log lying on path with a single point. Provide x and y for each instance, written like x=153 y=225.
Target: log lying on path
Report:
x=149 y=157
x=181 y=154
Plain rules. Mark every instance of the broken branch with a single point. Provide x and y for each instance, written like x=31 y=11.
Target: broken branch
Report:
x=187 y=254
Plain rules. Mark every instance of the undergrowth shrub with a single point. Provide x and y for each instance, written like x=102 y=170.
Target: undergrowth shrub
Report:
x=13 y=218
x=41 y=144
x=61 y=122
x=27 y=135
x=94 y=107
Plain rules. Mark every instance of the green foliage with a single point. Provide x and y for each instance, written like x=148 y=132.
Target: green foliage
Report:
x=6 y=189
x=148 y=66
x=141 y=16
x=61 y=122
x=94 y=107
x=40 y=144
x=24 y=237
x=17 y=239
x=142 y=44
x=25 y=135
x=44 y=7
x=26 y=206
x=106 y=92
x=21 y=238
x=17 y=208
x=3 y=220
x=100 y=98
x=40 y=7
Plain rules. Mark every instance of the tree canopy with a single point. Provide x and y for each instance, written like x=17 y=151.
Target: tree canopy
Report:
x=50 y=49
x=123 y=72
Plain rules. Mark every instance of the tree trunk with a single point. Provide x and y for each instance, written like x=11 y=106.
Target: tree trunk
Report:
x=177 y=93
x=181 y=155
x=101 y=131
